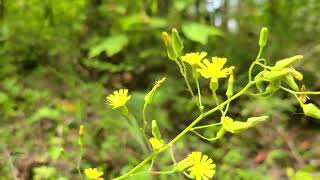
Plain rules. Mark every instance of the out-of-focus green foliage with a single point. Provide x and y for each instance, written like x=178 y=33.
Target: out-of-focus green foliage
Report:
x=58 y=60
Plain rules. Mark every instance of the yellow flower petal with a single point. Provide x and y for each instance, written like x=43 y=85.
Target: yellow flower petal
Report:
x=93 y=174
x=118 y=98
x=201 y=166
x=194 y=58
x=214 y=69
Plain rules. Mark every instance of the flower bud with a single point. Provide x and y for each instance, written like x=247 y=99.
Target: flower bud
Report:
x=311 y=110
x=172 y=54
x=286 y=62
x=229 y=92
x=177 y=43
x=252 y=121
x=263 y=37
x=274 y=75
x=156 y=143
x=155 y=130
x=288 y=79
x=81 y=130
x=296 y=74
x=220 y=133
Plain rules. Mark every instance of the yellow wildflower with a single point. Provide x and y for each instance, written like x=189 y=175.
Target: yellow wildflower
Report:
x=202 y=167
x=118 y=98
x=156 y=143
x=214 y=70
x=93 y=174
x=194 y=58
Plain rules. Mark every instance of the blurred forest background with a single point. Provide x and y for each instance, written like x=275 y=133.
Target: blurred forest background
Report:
x=60 y=58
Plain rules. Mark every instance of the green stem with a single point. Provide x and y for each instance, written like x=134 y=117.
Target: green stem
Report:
x=199 y=95
x=252 y=65
x=135 y=131
x=295 y=92
x=145 y=122
x=203 y=137
x=183 y=72
x=186 y=130
x=206 y=126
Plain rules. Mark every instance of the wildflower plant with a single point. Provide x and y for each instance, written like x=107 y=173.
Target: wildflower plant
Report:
x=264 y=83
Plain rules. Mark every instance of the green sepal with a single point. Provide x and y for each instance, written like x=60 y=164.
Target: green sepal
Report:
x=177 y=42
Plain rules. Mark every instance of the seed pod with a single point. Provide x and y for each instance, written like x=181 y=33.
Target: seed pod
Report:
x=155 y=130
x=311 y=110
x=177 y=42
x=289 y=80
x=263 y=37
x=172 y=54
x=286 y=62
x=252 y=121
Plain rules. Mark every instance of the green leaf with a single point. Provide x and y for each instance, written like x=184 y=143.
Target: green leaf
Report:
x=44 y=112
x=55 y=152
x=111 y=45
x=199 y=32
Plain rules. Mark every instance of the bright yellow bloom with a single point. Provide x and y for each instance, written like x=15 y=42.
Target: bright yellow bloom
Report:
x=93 y=174
x=156 y=143
x=118 y=98
x=194 y=58
x=214 y=69
x=202 y=167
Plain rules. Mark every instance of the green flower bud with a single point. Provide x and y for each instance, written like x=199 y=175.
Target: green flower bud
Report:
x=172 y=54
x=155 y=130
x=177 y=42
x=220 y=133
x=311 y=110
x=289 y=80
x=238 y=126
x=274 y=75
x=286 y=62
x=295 y=74
x=229 y=92
x=256 y=120
x=263 y=37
